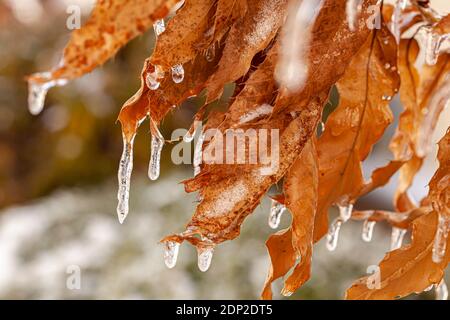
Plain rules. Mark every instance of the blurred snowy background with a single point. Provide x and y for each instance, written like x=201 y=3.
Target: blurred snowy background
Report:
x=58 y=187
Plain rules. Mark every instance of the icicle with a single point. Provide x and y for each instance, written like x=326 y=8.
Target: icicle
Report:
x=276 y=211
x=159 y=27
x=198 y=154
x=152 y=78
x=38 y=90
x=204 y=258
x=352 y=10
x=345 y=212
x=171 y=253
x=177 y=73
x=155 y=157
x=124 y=176
x=441 y=291
x=333 y=234
x=400 y=5
x=397 y=237
x=368 y=230
x=291 y=70
x=440 y=239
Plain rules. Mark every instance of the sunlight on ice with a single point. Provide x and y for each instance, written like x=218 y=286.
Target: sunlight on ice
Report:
x=441 y=291
x=276 y=211
x=171 y=249
x=262 y=110
x=204 y=258
x=345 y=212
x=38 y=90
x=177 y=73
x=440 y=239
x=124 y=176
x=368 y=230
x=397 y=236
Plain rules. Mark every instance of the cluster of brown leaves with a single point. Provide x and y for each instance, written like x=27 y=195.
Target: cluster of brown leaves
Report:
x=223 y=41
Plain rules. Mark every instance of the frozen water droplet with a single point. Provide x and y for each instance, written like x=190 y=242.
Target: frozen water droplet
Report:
x=124 y=176
x=442 y=291
x=210 y=53
x=152 y=78
x=440 y=239
x=155 y=157
x=198 y=154
x=204 y=258
x=333 y=234
x=352 y=10
x=37 y=91
x=386 y=98
x=177 y=73
x=345 y=212
x=276 y=211
x=368 y=230
x=387 y=65
x=159 y=27
x=397 y=236
x=171 y=253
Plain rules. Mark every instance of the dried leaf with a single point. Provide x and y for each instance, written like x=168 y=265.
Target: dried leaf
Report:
x=356 y=125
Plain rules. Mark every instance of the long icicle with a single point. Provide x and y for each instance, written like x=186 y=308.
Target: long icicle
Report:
x=156 y=148
x=124 y=177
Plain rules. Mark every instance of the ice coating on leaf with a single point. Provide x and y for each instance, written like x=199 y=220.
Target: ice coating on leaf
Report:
x=124 y=177
x=171 y=249
x=368 y=230
x=204 y=258
x=352 y=10
x=177 y=73
x=155 y=157
x=37 y=90
x=400 y=5
x=440 y=240
x=262 y=110
x=333 y=234
x=442 y=291
x=397 y=236
x=159 y=27
x=292 y=68
x=276 y=211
